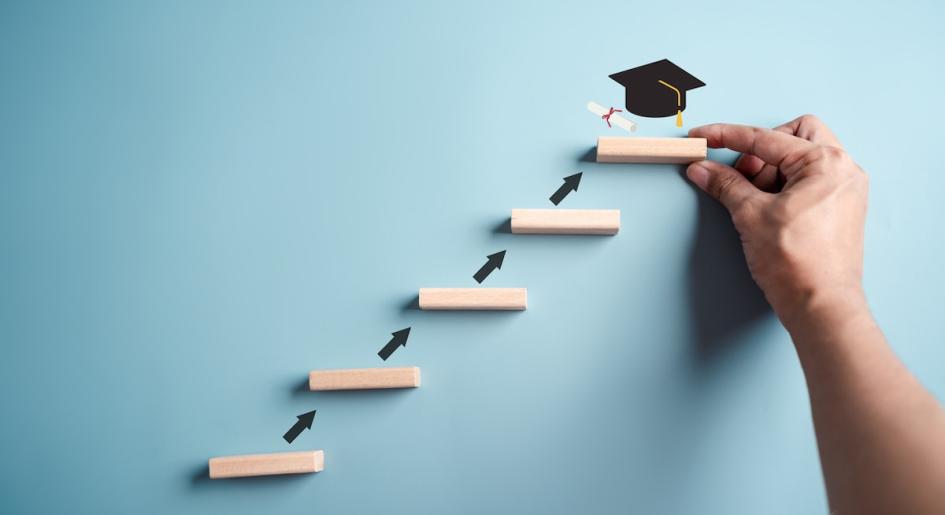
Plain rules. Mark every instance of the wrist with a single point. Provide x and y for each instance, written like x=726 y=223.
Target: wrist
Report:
x=823 y=303
x=822 y=313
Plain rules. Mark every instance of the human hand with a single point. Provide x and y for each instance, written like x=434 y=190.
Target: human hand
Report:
x=799 y=203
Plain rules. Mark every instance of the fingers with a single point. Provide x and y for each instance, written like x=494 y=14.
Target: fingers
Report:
x=772 y=147
x=765 y=176
x=766 y=172
x=810 y=127
x=723 y=183
x=753 y=167
x=769 y=179
x=749 y=165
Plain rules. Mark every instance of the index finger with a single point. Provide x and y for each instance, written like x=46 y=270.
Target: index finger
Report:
x=772 y=147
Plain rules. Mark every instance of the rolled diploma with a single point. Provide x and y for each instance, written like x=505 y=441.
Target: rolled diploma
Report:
x=615 y=119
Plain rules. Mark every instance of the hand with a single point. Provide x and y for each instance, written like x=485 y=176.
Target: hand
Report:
x=799 y=203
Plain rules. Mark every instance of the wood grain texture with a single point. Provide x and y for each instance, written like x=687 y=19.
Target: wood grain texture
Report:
x=566 y=221
x=364 y=378
x=650 y=150
x=475 y=299
x=303 y=462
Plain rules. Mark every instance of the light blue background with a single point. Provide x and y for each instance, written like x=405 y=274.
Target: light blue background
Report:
x=202 y=201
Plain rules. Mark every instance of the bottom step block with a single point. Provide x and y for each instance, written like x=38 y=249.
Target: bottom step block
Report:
x=304 y=462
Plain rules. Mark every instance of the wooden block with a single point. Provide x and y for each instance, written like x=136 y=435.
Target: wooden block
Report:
x=476 y=299
x=303 y=462
x=650 y=150
x=364 y=378
x=565 y=221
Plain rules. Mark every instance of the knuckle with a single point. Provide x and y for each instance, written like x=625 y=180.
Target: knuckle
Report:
x=835 y=153
x=756 y=134
x=828 y=156
x=809 y=119
x=822 y=153
x=812 y=158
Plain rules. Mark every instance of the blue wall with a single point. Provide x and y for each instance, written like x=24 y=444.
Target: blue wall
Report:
x=202 y=201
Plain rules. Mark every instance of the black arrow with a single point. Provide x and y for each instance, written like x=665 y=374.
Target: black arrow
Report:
x=495 y=261
x=304 y=422
x=571 y=183
x=399 y=338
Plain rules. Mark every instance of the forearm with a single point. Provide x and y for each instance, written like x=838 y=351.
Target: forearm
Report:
x=881 y=435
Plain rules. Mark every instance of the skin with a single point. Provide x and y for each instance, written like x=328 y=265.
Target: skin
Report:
x=799 y=203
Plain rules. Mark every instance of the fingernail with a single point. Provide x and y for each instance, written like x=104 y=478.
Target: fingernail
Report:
x=699 y=175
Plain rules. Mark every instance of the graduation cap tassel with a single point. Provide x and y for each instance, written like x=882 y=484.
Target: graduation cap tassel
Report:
x=678 y=101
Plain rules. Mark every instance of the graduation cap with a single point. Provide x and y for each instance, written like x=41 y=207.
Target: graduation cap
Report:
x=657 y=89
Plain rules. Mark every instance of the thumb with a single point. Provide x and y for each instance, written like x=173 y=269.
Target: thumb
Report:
x=722 y=182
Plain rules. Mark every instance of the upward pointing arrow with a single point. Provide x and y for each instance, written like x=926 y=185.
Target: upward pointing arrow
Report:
x=571 y=183
x=304 y=422
x=399 y=338
x=494 y=261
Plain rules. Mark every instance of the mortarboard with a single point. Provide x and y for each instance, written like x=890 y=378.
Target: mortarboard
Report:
x=658 y=89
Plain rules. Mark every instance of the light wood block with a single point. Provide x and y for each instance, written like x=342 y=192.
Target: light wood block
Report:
x=303 y=462
x=650 y=150
x=475 y=299
x=364 y=378
x=565 y=221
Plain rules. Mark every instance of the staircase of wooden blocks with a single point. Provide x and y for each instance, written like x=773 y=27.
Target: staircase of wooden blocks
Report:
x=596 y=222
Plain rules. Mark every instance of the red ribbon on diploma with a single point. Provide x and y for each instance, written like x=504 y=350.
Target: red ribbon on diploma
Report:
x=606 y=117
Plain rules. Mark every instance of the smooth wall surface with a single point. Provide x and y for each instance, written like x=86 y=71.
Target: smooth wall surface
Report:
x=202 y=201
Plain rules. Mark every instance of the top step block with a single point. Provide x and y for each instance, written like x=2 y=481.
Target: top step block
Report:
x=250 y=465
x=651 y=150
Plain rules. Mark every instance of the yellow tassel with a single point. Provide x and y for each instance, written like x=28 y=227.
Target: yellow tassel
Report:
x=678 y=118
